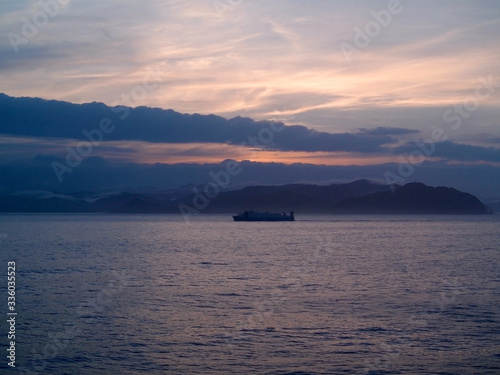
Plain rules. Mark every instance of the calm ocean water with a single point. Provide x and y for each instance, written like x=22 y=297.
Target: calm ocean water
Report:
x=117 y=294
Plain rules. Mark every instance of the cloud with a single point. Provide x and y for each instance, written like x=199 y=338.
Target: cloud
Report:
x=27 y=117
x=462 y=152
x=300 y=138
x=36 y=126
x=456 y=152
x=482 y=138
x=257 y=57
x=258 y=60
x=380 y=131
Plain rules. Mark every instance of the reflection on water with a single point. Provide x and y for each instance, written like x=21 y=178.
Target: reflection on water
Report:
x=101 y=294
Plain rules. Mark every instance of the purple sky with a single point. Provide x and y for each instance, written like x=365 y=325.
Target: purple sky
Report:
x=339 y=67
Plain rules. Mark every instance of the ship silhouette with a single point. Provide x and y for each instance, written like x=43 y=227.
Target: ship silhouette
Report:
x=263 y=216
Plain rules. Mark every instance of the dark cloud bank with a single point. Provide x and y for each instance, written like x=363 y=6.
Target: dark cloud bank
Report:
x=38 y=118
x=35 y=117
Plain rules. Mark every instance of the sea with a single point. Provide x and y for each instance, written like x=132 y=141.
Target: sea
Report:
x=326 y=294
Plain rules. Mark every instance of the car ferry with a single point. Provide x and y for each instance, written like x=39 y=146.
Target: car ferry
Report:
x=263 y=216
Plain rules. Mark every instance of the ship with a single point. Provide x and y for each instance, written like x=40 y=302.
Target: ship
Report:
x=263 y=216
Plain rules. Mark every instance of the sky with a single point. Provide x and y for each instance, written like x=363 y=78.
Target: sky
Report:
x=366 y=82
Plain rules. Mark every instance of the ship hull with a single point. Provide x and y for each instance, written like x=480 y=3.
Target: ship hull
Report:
x=239 y=218
x=266 y=216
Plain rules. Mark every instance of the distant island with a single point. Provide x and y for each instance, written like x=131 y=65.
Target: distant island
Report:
x=358 y=197
x=414 y=198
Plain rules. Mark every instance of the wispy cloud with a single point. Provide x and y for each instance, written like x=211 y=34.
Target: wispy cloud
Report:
x=263 y=60
x=458 y=152
x=259 y=53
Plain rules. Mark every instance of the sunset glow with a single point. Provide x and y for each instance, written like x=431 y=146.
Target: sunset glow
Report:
x=372 y=84
x=250 y=186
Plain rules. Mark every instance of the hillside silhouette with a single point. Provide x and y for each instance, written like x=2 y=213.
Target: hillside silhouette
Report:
x=358 y=197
